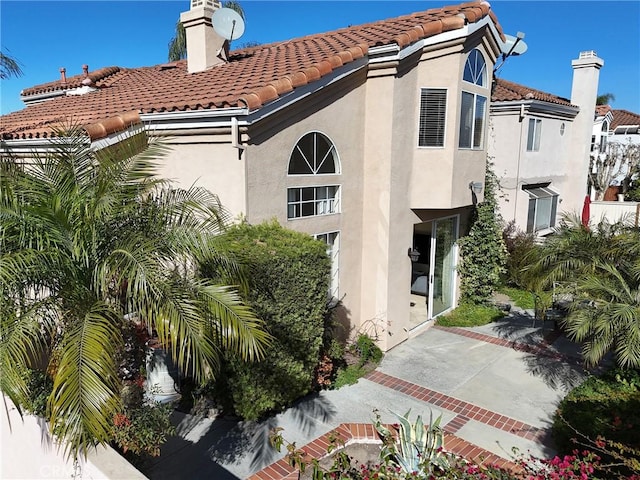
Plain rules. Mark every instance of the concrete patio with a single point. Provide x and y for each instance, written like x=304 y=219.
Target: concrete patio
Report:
x=496 y=386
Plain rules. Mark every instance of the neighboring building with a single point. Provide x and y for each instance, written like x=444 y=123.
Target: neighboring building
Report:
x=367 y=137
x=613 y=130
x=540 y=145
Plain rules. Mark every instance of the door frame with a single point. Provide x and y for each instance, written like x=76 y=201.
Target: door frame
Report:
x=432 y=263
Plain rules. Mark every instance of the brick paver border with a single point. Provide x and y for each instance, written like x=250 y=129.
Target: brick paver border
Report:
x=354 y=432
x=537 y=349
x=460 y=407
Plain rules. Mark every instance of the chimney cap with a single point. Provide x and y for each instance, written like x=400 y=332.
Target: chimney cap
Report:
x=588 y=54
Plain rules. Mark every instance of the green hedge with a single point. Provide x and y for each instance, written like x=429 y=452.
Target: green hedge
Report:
x=288 y=287
x=607 y=405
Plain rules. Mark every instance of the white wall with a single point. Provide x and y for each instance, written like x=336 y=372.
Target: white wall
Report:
x=27 y=451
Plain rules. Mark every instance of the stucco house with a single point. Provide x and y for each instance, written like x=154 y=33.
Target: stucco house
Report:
x=368 y=137
x=540 y=145
x=613 y=132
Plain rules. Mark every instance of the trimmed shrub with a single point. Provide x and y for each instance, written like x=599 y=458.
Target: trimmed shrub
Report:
x=288 y=289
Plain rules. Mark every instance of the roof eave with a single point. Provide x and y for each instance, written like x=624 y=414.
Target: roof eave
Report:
x=535 y=106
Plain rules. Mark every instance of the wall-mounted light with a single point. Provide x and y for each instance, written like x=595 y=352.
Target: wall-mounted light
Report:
x=476 y=187
x=414 y=254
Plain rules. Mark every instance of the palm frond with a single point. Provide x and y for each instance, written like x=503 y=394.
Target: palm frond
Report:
x=86 y=387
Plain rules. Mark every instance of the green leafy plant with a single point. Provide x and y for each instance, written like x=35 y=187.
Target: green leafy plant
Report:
x=366 y=348
x=143 y=429
x=606 y=405
x=519 y=247
x=40 y=386
x=419 y=448
x=482 y=252
x=288 y=289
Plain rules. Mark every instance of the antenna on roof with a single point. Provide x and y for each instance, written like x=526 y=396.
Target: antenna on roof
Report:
x=512 y=46
x=228 y=23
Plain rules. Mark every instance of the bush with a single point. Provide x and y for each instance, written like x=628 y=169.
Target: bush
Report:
x=519 y=246
x=143 y=429
x=288 y=289
x=607 y=406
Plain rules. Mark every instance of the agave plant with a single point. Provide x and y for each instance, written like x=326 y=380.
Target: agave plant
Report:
x=418 y=448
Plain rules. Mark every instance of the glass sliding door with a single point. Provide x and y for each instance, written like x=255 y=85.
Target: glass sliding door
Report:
x=443 y=265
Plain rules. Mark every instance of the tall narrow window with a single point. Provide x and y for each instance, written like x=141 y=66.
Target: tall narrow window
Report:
x=472 y=115
x=433 y=110
x=332 y=240
x=533 y=135
x=473 y=106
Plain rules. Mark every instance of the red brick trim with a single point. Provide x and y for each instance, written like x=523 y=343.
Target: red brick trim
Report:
x=468 y=410
x=352 y=432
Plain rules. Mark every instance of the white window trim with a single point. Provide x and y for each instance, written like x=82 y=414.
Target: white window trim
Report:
x=446 y=112
x=537 y=134
x=338 y=163
x=473 y=123
x=336 y=201
x=536 y=193
x=484 y=73
x=334 y=253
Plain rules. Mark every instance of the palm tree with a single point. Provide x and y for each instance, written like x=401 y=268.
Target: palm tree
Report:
x=603 y=263
x=178 y=44
x=611 y=323
x=605 y=99
x=9 y=67
x=90 y=240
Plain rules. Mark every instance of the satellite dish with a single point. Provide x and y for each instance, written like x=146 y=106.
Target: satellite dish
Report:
x=514 y=45
x=228 y=23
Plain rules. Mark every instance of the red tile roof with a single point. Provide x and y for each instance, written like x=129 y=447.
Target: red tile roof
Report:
x=624 y=117
x=505 y=91
x=253 y=76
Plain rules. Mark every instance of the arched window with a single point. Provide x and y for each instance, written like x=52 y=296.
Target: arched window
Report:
x=475 y=69
x=314 y=154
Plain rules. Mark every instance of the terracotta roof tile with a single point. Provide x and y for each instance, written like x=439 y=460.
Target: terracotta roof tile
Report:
x=624 y=117
x=505 y=91
x=253 y=76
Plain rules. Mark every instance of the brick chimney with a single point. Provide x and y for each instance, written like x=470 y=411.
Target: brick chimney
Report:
x=205 y=48
x=584 y=91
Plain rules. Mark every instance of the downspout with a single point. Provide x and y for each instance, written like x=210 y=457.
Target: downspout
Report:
x=235 y=135
x=515 y=203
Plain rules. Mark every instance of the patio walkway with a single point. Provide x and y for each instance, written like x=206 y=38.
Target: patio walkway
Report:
x=496 y=386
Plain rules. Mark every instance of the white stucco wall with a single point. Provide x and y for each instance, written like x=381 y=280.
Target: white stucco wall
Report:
x=28 y=452
x=516 y=167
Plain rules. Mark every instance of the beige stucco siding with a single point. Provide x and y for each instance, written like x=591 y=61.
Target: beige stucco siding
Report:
x=339 y=116
x=207 y=161
x=441 y=176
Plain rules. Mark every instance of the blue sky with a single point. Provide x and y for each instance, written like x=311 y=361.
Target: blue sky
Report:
x=45 y=36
